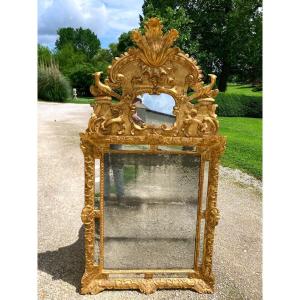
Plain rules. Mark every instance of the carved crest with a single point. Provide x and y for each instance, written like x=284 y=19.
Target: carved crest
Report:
x=153 y=67
x=154 y=47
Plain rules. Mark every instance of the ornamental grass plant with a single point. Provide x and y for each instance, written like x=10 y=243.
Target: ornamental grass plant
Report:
x=52 y=85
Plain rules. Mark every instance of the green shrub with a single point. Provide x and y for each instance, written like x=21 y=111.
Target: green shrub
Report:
x=52 y=85
x=231 y=105
x=81 y=78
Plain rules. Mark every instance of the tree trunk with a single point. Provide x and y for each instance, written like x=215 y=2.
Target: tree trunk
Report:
x=222 y=85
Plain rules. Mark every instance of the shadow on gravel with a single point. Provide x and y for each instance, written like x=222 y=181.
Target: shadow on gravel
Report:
x=66 y=263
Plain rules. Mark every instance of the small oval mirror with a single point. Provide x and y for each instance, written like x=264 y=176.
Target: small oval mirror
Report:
x=156 y=109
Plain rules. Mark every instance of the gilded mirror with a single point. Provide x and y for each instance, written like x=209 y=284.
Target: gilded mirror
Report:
x=151 y=156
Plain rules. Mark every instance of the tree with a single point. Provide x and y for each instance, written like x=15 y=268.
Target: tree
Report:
x=124 y=42
x=67 y=57
x=82 y=40
x=79 y=55
x=81 y=76
x=102 y=60
x=113 y=47
x=171 y=18
x=223 y=35
x=102 y=55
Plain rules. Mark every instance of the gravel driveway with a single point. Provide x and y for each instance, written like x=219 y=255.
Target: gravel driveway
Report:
x=237 y=259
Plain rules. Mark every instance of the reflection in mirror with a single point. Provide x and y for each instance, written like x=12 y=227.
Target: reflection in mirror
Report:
x=97 y=206
x=155 y=109
x=177 y=148
x=133 y=147
x=97 y=184
x=201 y=242
x=204 y=170
x=205 y=184
x=150 y=210
x=97 y=242
x=126 y=276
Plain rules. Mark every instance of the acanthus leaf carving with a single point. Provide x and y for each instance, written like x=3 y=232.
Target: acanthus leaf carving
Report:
x=154 y=47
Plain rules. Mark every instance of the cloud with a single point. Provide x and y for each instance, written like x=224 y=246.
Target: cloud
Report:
x=107 y=18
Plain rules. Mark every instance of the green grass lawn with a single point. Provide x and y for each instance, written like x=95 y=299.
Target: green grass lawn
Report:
x=242 y=89
x=244 y=144
x=86 y=100
x=244 y=135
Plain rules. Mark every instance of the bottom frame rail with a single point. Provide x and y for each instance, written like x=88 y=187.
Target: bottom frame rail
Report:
x=146 y=286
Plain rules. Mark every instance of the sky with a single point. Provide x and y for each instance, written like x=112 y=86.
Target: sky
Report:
x=107 y=18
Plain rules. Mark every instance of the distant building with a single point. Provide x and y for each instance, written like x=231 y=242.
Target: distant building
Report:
x=153 y=117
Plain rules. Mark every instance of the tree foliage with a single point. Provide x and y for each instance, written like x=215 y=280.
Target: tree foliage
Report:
x=172 y=18
x=67 y=57
x=124 y=42
x=83 y=40
x=113 y=47
x=78 y=55
x=81 y=78
x=223 y=35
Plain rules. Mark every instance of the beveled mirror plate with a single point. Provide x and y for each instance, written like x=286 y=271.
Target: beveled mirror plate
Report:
x=139 y=174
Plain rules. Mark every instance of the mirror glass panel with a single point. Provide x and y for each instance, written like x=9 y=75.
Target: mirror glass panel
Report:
x=155 y=109
x=150 y=210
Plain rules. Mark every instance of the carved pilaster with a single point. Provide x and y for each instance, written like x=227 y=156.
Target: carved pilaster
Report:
x=87 y=215
x=211 y=217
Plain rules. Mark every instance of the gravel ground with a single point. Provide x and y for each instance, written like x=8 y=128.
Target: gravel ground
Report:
x=237 y=259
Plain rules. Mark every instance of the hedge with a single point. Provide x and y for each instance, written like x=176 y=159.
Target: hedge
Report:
x=230 y=105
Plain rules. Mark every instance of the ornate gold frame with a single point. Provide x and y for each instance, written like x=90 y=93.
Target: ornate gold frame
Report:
x=153 y=67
